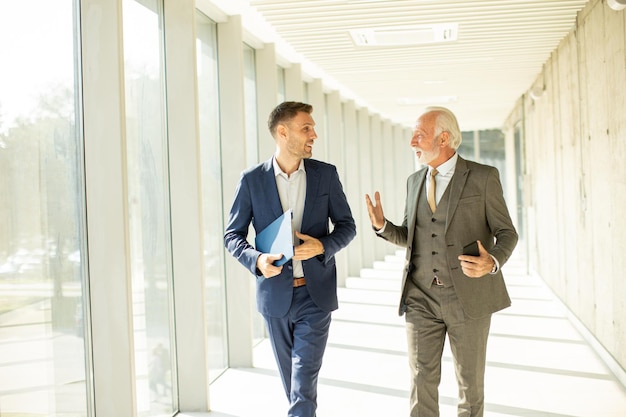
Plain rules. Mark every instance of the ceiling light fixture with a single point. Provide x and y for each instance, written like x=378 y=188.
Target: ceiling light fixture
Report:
x=412 y=101
x=405 y=35
x=537 y=92
x=616 y=5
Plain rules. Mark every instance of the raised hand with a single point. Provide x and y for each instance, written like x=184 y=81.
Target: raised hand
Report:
x=377 y=217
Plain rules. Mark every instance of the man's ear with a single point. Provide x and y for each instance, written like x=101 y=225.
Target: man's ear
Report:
x=444 y=138
x=281 y=131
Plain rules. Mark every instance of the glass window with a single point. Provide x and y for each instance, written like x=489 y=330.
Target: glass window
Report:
x=148 y=208
x=519 y=175
x=210 y=160
x=492 y=152
x=42 y=231
x=489 y=148
x=249 y=71
x=468 y=148
x=326 y=135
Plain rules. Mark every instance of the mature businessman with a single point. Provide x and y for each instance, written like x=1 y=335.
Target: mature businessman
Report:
x=295 y=299
x=444 y=291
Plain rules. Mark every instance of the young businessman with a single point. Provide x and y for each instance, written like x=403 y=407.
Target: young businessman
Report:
x=297 y=298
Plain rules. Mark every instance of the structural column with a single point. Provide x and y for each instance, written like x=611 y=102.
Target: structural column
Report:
x=376 y=170
x=104 y=128
x=389 y=181
x=238 y=280
x=267 y=96
x=335 y=146
x=294 y=85
x=352 y=184
x=365 y=123
x=318 y=100
x=185 y=202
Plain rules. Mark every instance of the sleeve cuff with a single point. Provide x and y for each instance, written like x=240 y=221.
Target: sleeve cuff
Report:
x=496 y=265
x=382 y=229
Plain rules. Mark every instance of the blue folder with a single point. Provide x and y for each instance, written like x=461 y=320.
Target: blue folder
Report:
x=277 y=238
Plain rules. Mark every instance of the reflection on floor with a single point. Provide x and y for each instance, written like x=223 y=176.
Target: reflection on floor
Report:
x=538 y=362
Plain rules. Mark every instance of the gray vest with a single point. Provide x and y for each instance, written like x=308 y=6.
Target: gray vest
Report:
x=429 y=257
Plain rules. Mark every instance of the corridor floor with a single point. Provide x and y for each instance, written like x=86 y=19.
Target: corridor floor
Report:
x=538 y=362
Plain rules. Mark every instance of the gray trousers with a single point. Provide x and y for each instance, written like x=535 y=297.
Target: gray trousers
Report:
x=431 y=313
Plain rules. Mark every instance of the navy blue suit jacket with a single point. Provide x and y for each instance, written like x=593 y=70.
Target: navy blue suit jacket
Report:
x=257 y=201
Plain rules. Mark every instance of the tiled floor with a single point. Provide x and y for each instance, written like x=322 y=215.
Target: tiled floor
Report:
x=538 y=362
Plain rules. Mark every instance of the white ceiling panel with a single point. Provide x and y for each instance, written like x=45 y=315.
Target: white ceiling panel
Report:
x=500 y=50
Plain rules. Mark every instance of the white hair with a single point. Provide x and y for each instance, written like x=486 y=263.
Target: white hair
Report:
x=445 y=121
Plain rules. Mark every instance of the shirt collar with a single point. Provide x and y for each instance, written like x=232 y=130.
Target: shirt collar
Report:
x=278 y=171
x=447 y=166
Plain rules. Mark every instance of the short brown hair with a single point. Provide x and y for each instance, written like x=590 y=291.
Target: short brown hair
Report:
x=286 y=111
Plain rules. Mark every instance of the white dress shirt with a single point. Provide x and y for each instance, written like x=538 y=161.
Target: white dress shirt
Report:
x=292 y=193
x=443 y=178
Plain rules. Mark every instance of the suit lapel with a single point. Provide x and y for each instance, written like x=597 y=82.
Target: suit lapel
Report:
x=269 y=183
x=312 y=187
x=413 y=194
x=456 y=188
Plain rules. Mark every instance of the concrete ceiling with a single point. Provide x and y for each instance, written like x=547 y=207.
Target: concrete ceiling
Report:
x=499 y=51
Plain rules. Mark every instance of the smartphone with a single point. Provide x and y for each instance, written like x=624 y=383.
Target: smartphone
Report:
x=471 y=249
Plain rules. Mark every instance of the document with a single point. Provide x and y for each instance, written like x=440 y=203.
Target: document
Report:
x=277 y=238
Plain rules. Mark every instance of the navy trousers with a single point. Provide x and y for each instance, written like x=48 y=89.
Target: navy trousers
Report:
x=299 y=340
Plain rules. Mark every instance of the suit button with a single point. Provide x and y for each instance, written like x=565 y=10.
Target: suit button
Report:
x=433 y=235
x=435 y=270
x=433 y=220
x=434 y=253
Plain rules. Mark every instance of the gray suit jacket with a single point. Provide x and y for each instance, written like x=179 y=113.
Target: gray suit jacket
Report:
x=476 y=211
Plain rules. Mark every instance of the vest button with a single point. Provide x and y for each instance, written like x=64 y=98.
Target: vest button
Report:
x=433 y=220
x=435 y=270
x=433 y=235
x=434 y=253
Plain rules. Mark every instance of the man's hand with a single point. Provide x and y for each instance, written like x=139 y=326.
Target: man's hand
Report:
x=375 y=212
x=477 y=266
x=309 y=248
x=264 y=263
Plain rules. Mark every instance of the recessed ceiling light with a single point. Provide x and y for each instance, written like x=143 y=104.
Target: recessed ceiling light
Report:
x=405 y=35
x=412 y=101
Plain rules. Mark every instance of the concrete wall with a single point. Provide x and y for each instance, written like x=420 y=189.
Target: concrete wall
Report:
x=574 y=173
